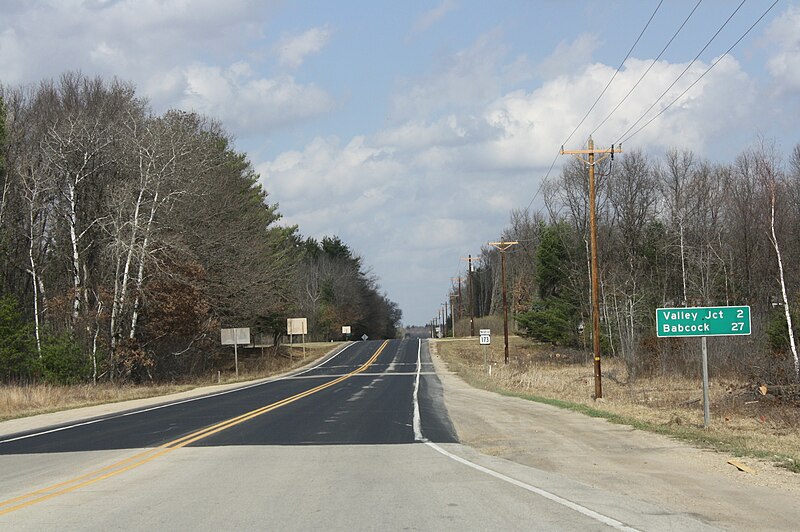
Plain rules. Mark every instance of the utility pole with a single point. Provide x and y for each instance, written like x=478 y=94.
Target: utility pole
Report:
x=452 y=315
x=460 y=301
x=444 y=319
x=469 y=295
x=591 y=162
x=503 y=247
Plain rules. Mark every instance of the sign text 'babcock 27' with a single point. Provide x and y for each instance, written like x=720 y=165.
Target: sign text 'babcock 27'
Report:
x=703 y=321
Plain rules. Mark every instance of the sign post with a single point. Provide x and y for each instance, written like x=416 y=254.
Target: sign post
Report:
x=703 y=322
x=297 y=326
x=235 y=337
x=485 y=339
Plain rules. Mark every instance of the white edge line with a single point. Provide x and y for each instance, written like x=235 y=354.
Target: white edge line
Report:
x=609 y=521
x=166 y=405
x=417 y=423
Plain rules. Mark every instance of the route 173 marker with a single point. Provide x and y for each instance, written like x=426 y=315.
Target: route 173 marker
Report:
x=703 y=322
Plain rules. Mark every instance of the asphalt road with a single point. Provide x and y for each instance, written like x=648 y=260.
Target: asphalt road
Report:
x=373 y=406
x=361 y=441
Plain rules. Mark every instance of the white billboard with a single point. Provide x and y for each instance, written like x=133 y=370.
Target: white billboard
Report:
x=237 y=336
x=296 y=326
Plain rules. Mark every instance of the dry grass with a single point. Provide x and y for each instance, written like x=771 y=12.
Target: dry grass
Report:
x=740 y=423
x=29 y=400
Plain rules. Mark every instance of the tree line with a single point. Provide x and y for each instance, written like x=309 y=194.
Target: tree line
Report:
x=129 y=238
x=675 y=230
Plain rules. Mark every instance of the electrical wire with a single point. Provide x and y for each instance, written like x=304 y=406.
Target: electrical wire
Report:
x=615 y=73
x=622 y=63
x=663 y=50
x=624 y=135
x=626 y=139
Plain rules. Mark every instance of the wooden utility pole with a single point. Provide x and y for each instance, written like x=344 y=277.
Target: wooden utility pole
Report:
x=460 y=301
x=469 y=295
x=591 y=162
x=503 y=247
x=444 y=319
x=453 y=315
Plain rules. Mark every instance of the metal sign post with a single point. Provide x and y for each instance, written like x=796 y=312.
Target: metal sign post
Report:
x=703 y=322
x=485 y=340
x=235 y=337
x=297 y=326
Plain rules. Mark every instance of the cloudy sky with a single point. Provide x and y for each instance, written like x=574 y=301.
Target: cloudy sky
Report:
x=411 y=129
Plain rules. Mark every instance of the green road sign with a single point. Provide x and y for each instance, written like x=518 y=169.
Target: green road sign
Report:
x=703 y=321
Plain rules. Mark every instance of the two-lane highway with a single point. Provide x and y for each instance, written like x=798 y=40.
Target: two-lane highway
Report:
x=362 y=394
x=360 y=441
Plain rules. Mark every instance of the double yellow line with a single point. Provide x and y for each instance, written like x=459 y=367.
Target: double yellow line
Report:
x=144 y=457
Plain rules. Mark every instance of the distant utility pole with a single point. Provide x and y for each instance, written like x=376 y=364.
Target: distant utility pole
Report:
x=460 y=301
x=591 y=162
x=452 y=316
x=444 y=319
x=469 y=295
x=503 y=247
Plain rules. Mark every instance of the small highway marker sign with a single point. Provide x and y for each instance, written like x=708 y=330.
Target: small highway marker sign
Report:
x=485 y=337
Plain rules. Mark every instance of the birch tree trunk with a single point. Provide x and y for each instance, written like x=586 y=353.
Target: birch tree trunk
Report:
x=782 y=279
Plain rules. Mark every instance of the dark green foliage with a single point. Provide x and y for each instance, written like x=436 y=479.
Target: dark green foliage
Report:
x=63 y=360
x=552 y=261
x=17 y=343
x=777 y=332
x=553 y=320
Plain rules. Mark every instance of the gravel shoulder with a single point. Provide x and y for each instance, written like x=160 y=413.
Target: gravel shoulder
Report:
x=648 y=467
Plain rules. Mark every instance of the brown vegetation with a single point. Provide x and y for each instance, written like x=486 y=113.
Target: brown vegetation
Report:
x=27 y=400
x=744 y=419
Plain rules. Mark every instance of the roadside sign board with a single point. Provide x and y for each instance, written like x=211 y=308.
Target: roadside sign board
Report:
x=702 y=321
x=485 y=336
x=296 y=326
x=346 y=329
x=364 y=337
x=238 y=336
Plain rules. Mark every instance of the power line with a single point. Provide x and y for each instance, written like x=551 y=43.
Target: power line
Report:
x=615 y=73
x=622 y=63
x=684 y=71
x=701 y=75
x=649 y=67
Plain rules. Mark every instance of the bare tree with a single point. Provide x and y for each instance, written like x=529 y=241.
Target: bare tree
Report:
x=773 y=178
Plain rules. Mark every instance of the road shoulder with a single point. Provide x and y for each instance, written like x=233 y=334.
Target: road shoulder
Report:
x=648 y=467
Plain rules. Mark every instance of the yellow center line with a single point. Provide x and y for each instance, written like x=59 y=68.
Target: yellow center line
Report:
x=149 y=455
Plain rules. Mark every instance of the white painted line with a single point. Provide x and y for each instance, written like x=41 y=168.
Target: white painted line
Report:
x=158 y=407
x=609 y=521
x=417 y=423
x=418 y=436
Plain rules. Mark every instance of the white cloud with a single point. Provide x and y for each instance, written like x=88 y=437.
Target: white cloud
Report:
x=246 y=103
x=429 y=18
x=293 y=49
x=784 y=65
x=472 y=76
x=568 y=56
x=11 y=57
x=434 y=187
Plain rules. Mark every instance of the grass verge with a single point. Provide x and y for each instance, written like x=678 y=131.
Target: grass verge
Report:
x=18 y=401
x=741 y=424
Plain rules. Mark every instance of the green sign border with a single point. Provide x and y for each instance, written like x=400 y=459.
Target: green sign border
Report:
x=660 y=321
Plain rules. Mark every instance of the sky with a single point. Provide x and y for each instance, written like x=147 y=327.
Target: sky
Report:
x=412 y=129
